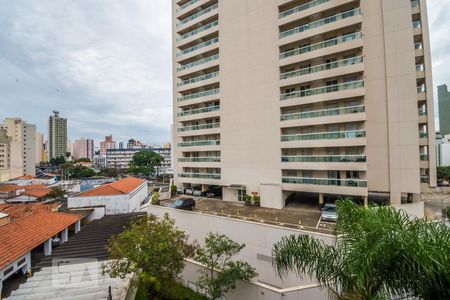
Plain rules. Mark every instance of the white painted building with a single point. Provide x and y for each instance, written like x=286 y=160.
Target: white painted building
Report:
x=120 y=197
x=443 y=151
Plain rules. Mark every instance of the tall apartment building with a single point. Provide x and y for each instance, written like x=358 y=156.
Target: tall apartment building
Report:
x=326 y=97
x=83 y=148
x=57 y=136
x=444 y=109
x=23 y=147
x=39 y=147
x=108 y=143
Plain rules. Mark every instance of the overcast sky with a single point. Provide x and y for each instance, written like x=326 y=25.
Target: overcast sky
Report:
x=106 y=64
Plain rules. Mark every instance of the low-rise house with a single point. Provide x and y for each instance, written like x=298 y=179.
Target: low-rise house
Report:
x=120 y=197
x=16 y=211
x=31 y=195
x=19 y=238
x=8 y=191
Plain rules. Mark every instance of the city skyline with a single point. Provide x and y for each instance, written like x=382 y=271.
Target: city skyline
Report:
x=90 y=72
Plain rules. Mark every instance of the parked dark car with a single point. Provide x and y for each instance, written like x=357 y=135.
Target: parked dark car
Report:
x=184 y=203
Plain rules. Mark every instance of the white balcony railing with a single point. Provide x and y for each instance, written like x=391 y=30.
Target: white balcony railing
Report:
x=323 y=90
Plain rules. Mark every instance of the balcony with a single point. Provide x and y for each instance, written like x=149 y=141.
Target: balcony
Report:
x=199 y=127
x=197 y=31
x=197 y=15
x=324 y=113
x=198 y=79
x=198 y=62
x=320 y=22
x=199 y=175
x=424 y=157
x=423 y=111
x=425 y=179
x=324 y=159
x=301 y=8
x=325 y=181
x=324 y=136
x=199 y=95
x=200 y=143
x=198 y=46
x=186 y=5
x=323 y=67
x=323 y=90
x=423 y=134
x=199 y=111
x=198 y=159
x=324 y=44
x=415 y=3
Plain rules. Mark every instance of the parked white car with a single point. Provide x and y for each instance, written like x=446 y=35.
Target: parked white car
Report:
x=189 y=191
x=197 y=193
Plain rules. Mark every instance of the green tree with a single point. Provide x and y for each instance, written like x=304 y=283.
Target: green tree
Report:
x=145 y=162
x=84 y=159
x=152 y=248
x=109 y=172
x=443 y=173
x=378 y=252
x=221 y=273
x=57 y=161
x=55 y=193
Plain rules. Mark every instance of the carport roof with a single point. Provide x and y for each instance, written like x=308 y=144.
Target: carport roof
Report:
x=20 y=237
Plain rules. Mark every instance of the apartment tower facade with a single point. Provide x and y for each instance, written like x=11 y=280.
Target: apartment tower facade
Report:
x=444 y=109
x=326 y=97
x=57 y=136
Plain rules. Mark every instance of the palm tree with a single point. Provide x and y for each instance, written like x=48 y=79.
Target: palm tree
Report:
x=378 y=253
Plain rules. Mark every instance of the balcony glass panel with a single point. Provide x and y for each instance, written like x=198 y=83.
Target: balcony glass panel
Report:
x=197 y=15
x=199 y=175
x=320 y=22
x=199 y=95
x=199 y=159
x=424 y=157
x=324 y=113
x=301 y=8
x=417 y=24
x=186 y=5
x=323 y=67
x=199 y=78
x=324 y=158
x=423 y=134
x=425 y=179
x=323 y=90
x=198 y=30
x=199 y=127
x=199 y=143
x=199 y=46
x=423 y=111
x=198 y=62
x=324 y=44
x=325 y=181
x=199 y=111
x=324 y=136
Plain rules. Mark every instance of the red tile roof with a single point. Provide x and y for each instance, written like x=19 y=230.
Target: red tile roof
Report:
x=38 y=193
x=19 y=237
x=120 y=187
x=21 y=210
x=33 y=186
x=9 y=187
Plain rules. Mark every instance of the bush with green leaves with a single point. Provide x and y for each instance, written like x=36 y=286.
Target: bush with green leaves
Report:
x=379 y=252
x=220 y=272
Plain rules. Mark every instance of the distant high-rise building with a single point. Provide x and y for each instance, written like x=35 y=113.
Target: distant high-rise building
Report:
x=57 y=136
x=134 y=144
x=108 y=143
x=83 y=148
x=39 y=147
x=329 y=98
x=23 y=136
x=121 y=144
x=444 y=109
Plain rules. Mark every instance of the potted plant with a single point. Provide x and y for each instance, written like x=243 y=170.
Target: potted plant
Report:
x=256 y=200
x=173 y=190
x=248 y=200
x=155 y=199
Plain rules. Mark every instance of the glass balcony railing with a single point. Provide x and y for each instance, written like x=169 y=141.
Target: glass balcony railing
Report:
x=424 y=157
x=325 y=181
x=324 y=136
x=199 y=111
x=198 y=79
x=417 y=24
x=415 y=3
x=423 y=111
x=425 y=179
x=197 y=15
x=198 y=47
x=325 y=44
x=423 y=134
x=421 y=89
x=199 y=143
x=301 y=8
x=324 y=113
x=198 y=62
x=323 y=90
x=420 y=68
x=186 y=5
x=320 y=22
x=198 y=30
x=200 y=175
x=418 y=46
x=324 y=158
x=199 y=95
x=323 y=67
x=199 y=127
x=199 y=159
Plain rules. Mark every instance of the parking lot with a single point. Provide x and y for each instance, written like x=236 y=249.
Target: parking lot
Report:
x=299 y=218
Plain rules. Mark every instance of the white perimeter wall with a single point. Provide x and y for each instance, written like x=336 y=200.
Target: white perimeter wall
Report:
x=259 y=240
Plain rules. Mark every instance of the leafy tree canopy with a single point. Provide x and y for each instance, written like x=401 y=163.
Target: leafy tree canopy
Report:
x=57 y=161
x=145 y=162
x=443 y=173
x=55 y=193
x=380 y=252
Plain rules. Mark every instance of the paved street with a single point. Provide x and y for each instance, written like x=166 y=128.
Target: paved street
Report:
x=434 y=202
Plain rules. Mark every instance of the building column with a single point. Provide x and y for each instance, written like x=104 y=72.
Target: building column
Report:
x=366 y=201
x=321 y=199
x=77 y=226
x=65 y=235
x=48 y=247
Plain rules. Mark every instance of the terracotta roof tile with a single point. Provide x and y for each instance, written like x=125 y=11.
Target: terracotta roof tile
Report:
x=120 y=187
x=25 y=234
x=33 y=186
x=21 y=210
x=39 y=193
x=9 y=187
